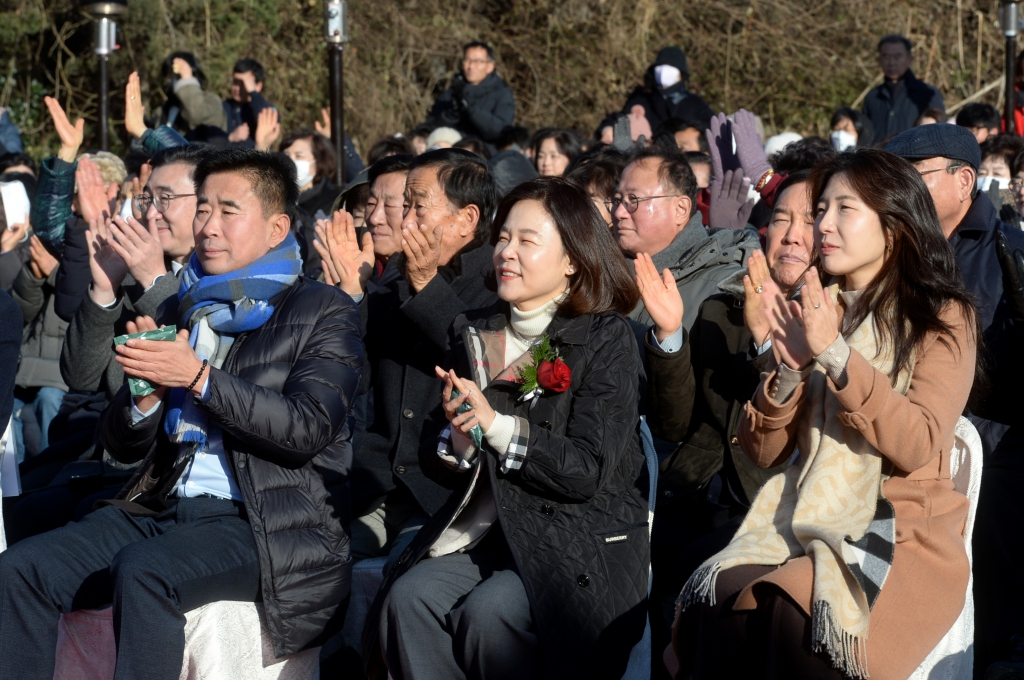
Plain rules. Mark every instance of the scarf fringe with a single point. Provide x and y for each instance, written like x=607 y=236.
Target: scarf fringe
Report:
x=848 y=652
x=700 y=587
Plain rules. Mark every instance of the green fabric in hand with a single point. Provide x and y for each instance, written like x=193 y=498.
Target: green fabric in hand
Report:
x=138 y=386
x=476 y=433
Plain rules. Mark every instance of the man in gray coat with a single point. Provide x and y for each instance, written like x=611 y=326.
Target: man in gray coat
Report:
x=134 y=270
x=655 y=211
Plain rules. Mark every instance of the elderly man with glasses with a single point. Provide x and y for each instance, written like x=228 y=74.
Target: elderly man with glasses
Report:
x=948 y=156
x=655 y=212
x=135 y=265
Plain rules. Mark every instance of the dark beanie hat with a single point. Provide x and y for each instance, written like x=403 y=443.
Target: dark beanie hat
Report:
x=673 y=56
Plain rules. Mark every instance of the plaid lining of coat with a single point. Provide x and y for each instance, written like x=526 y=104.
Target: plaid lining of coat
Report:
x=486 y=359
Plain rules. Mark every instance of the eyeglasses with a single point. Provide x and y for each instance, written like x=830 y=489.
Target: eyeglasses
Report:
x=1016 y=184
x=476 y=62
x=949 y=168
x=141 y=202
x=631 y=202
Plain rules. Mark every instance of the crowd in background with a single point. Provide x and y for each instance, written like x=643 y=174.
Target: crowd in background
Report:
x=790 y=316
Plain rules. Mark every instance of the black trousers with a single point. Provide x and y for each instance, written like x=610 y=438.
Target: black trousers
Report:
x=153 y=570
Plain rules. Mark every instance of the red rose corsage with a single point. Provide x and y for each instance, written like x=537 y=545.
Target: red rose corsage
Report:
x=548 y=373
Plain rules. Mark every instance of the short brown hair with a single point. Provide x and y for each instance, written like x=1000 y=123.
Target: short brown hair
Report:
x=602 y=282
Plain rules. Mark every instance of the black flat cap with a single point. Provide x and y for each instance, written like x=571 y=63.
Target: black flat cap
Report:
x=938 y=139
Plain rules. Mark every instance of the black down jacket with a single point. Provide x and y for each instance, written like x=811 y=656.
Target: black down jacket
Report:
x=282 y=401
x=575 y=514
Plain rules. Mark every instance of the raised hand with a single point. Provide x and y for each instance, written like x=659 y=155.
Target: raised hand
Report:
x=239 y=134
x=638 y=124
x=730 y=208
x=818 y=313
x=108 y=269
x=42 y=263
x=139 y=248
x=95 y=201
x=268 y=128
x=720 y=140
x=789 y=341
x=348 y=264
x=325 y=127
x=70 y=135
x=134 y=111
x=749 y=148
x=481 y=412
x=757 y=280
x=182 y=68
x=422 y=248
x=133 y=187
x=661 y=297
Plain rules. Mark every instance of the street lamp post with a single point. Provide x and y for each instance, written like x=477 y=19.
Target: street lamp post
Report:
x=104 y=13
x=336 y=35
x=1009 y=21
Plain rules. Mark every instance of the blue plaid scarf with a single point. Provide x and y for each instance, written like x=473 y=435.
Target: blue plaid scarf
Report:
x=216 y=309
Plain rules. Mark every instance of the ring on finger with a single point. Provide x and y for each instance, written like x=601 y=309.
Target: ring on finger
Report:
x=817 y=305
x=759 y=289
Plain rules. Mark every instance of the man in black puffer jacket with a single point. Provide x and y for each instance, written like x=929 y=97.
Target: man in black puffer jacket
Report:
x=242 y=492
x=478 y=103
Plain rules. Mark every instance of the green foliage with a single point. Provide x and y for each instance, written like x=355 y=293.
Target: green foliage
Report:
x=569 y=62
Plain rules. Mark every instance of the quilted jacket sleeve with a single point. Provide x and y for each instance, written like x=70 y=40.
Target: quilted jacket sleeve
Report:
x=291 y=427
x=51 y=207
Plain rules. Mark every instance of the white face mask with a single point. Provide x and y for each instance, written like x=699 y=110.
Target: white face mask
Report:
x=304 y=172
x=666 y=75
x=985 y=183
x=843 y=140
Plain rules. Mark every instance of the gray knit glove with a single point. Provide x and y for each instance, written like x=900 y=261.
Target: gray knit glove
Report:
x=730 y=208
x=749 y=147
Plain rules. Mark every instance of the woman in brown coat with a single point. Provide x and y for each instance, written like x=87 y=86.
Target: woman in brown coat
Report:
x=852 y=562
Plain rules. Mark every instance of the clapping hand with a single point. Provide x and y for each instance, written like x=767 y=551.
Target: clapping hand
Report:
x=345 y=263
x=661 y=297
x=268 y=128
x=133 y=187
x=139 y=248
x=70 y=135
x=141 y=324
x=108 y=269
x=95 y=201
x=757 y=280
x=239 y=134
x=801 y=330
x=42 y=263
x=480 y=413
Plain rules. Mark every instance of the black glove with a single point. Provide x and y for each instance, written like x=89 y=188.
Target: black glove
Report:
x=1012 y=265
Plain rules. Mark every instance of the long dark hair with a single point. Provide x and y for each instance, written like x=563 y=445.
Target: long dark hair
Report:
x=602 y=281
x=920 y=276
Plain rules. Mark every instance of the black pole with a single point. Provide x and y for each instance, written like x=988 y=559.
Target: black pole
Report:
x=334 y=51
x=104 y=103
x=1011 y=82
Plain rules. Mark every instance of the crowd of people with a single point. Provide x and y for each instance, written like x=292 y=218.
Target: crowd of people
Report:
x=672 y=381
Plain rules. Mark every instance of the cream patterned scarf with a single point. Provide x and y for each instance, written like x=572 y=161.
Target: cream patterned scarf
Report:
x=829 y=506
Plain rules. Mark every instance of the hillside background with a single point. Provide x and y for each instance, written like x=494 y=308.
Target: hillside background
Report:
x=569 y=62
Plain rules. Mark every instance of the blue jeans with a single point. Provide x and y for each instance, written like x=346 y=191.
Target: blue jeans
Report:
x=45 y=407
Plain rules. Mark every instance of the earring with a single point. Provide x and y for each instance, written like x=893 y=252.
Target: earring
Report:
x=572 y=270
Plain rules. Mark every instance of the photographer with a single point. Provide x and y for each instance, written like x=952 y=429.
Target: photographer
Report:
x=478 y=103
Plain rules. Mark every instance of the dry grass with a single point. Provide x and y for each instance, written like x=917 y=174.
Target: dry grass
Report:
x=569 y=61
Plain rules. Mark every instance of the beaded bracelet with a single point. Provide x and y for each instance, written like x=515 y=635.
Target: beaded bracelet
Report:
x=201 y=369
